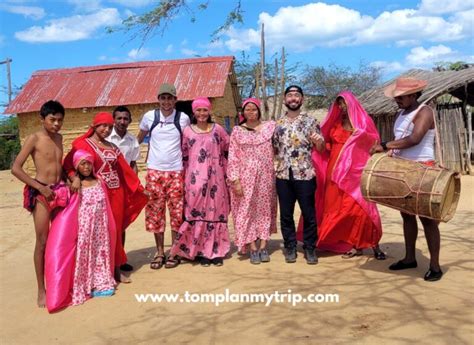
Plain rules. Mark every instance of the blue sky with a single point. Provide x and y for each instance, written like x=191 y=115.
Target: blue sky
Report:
x=395 y=35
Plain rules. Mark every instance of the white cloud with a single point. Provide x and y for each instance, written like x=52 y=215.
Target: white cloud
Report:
x=441 y=7
x=318 y=24
x=407 y=24
x=169 y=49
x=420 y=56
x=138 y=54
x=388 y=67
x=424 y=58
x=102 y=58
x=33 y=12
x=407 y=43
x=189 y=52
x=86 y=6
x=466 y=20
x=134 y=3
x=68 y=29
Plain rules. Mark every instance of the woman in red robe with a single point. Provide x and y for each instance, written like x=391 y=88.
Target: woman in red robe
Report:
x=124 y=190
x=347 y=223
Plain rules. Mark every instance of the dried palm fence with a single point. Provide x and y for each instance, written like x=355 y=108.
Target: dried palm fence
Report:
x=452 y=94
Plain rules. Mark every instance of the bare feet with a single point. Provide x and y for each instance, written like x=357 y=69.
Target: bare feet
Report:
x=41 y=301
x=124 y=279
x=120 y=277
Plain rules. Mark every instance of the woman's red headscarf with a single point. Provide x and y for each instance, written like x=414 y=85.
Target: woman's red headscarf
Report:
x=99 y=119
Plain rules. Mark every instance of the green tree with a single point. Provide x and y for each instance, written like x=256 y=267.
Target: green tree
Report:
x=327 y=82
x=9 y=142
x=451 y=66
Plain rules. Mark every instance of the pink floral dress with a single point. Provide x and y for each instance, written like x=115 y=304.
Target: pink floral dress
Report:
x=93 y=267
x=204 y=232
x=251 y=162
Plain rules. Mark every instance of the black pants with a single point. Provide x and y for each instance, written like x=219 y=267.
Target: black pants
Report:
x=290 y=191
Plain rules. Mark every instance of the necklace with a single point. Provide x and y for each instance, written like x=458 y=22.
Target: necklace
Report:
x=200 y=130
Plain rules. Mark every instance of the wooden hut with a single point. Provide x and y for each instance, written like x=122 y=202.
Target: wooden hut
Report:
x=85 y=91
x=451 y=93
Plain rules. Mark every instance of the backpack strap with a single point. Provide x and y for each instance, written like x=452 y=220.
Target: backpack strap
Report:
x=177 y=124
x=156 y=121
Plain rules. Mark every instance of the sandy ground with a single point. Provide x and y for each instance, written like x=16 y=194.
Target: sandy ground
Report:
x=376 y=306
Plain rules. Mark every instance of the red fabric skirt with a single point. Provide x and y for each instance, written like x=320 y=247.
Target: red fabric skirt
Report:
x=344 y=223
x=117 y=202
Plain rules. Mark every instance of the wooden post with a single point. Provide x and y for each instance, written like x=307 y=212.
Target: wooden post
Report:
x=257 y=81
x=262 y=73
x=9 y=79
x=282 y=82
x=468 y=152
x=275 y=90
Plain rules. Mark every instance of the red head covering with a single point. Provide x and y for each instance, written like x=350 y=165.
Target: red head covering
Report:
x=99 y=119
x=251 y=100
x=255 y=101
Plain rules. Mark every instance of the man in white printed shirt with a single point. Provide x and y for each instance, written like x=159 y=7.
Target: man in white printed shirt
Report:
x=128 y=145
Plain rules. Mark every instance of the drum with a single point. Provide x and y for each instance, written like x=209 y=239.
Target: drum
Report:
x=411 y=187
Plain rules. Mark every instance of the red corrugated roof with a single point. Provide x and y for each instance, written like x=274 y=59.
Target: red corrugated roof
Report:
x=127 y=83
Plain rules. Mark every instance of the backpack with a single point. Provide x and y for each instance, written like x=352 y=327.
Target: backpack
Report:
x=157 y=120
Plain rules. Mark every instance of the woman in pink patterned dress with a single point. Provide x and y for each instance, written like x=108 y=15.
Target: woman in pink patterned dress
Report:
x=204 y=233
x=95 y=248
x=251 y=173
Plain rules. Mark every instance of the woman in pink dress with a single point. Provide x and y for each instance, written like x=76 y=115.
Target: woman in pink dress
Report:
x=252 y=176
x=204 y=233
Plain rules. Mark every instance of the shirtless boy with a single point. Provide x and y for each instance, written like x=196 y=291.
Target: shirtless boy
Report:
x=44 y=193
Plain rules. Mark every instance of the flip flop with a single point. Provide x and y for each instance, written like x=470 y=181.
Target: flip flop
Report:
x=172 y=262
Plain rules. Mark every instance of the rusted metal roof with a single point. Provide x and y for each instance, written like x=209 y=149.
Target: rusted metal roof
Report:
x=123 y=84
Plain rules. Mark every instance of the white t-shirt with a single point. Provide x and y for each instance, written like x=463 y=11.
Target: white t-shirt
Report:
x=165 y=141
x=128 y=145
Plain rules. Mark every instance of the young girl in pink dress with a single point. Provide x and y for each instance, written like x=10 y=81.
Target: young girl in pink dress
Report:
x=94 y=268
x=252 y=176
x=79 y=262
x=204 y=233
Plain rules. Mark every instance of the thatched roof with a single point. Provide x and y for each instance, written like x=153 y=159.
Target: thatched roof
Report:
x=439 y=83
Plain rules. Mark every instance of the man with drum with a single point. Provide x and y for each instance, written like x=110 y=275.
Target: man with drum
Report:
x=414 y=131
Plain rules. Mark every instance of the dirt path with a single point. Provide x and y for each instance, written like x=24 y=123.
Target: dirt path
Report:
x=376 y=306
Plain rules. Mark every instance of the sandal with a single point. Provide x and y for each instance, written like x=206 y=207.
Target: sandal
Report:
x=351 y=253
x=172 y=262
x=157 y=262
x=379 y=255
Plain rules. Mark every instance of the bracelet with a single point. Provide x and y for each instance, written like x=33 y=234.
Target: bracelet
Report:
x=384 y=145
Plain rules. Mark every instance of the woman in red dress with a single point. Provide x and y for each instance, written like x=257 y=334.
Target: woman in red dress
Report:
x=124 y=190
x=347 y=222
